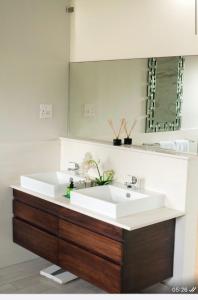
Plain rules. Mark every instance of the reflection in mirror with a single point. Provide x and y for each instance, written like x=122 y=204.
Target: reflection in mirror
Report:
x=165 y=92
x=105 y=90
x=112 y=90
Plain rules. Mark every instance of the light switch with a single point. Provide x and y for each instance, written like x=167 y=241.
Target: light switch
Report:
x=89 y=110
x=45 y=111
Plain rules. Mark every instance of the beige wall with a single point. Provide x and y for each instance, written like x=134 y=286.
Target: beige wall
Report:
x=16 y=159
x=33 y=71
x=196 y=263
x=33 y=68
x=117 y=29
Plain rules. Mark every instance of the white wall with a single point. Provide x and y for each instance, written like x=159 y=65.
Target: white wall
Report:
x=186 y=235
x=33 y=71
x=175 y=176
x=190 y=224
x=117 y=29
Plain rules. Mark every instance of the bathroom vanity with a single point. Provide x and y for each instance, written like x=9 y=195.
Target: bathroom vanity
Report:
x=106 y=254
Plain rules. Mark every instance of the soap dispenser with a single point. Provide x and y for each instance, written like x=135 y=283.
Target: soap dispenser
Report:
x=69 y=188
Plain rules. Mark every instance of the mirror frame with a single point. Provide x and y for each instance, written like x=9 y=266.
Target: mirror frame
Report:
x=151 y=124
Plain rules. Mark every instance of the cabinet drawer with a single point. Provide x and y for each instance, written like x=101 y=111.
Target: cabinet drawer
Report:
x=37 y=202
x=35 y=240
x=92 y=224
x=90 y=267
x=77 y=218
x=36 y=217
x=91 y=241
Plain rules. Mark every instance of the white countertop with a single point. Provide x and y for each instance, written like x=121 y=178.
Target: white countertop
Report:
x=130 y=222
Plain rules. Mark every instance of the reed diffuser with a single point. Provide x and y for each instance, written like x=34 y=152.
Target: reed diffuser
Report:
x=128 y=139
x=117 y=140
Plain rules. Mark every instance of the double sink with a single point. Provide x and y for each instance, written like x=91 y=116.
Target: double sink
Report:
x=113 y=200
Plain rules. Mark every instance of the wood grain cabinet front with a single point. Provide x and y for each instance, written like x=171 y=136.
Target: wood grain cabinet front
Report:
x=92 y=224
x=35 y=240
x=90 y=267
x=94 y=242
x=35 y=217
x=114 y=259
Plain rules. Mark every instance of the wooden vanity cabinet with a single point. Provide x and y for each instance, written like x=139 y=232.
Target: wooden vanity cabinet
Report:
x=112 y=258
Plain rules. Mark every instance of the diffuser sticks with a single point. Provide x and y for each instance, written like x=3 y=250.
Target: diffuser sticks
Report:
x=117 y=140
x=128 y=139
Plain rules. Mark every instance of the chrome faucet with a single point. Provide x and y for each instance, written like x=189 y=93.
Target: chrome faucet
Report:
x=73 y=166
x=132 y=183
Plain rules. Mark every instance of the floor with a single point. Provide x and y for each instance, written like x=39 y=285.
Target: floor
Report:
x=24 y=278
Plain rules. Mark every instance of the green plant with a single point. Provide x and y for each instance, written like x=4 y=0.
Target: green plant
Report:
x=103 y=178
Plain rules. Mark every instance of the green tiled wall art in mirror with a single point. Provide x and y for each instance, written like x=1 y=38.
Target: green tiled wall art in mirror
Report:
x=164 y=93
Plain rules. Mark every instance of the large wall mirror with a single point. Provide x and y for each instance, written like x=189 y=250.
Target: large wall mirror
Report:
x=161 y=94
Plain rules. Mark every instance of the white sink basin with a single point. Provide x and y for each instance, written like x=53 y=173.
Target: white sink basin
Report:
x=115 y=202
x=51 y=184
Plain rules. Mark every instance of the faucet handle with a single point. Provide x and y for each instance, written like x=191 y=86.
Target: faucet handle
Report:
x=134 y=180
x=73 y=166
x=131 y=182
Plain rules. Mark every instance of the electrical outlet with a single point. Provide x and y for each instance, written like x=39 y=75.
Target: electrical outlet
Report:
x=89 y=110
x=45 y=111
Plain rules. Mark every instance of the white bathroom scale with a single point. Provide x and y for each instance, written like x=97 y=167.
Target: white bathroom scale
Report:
x=57 y=274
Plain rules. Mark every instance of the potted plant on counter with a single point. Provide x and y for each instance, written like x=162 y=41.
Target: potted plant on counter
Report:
x=103 y=178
